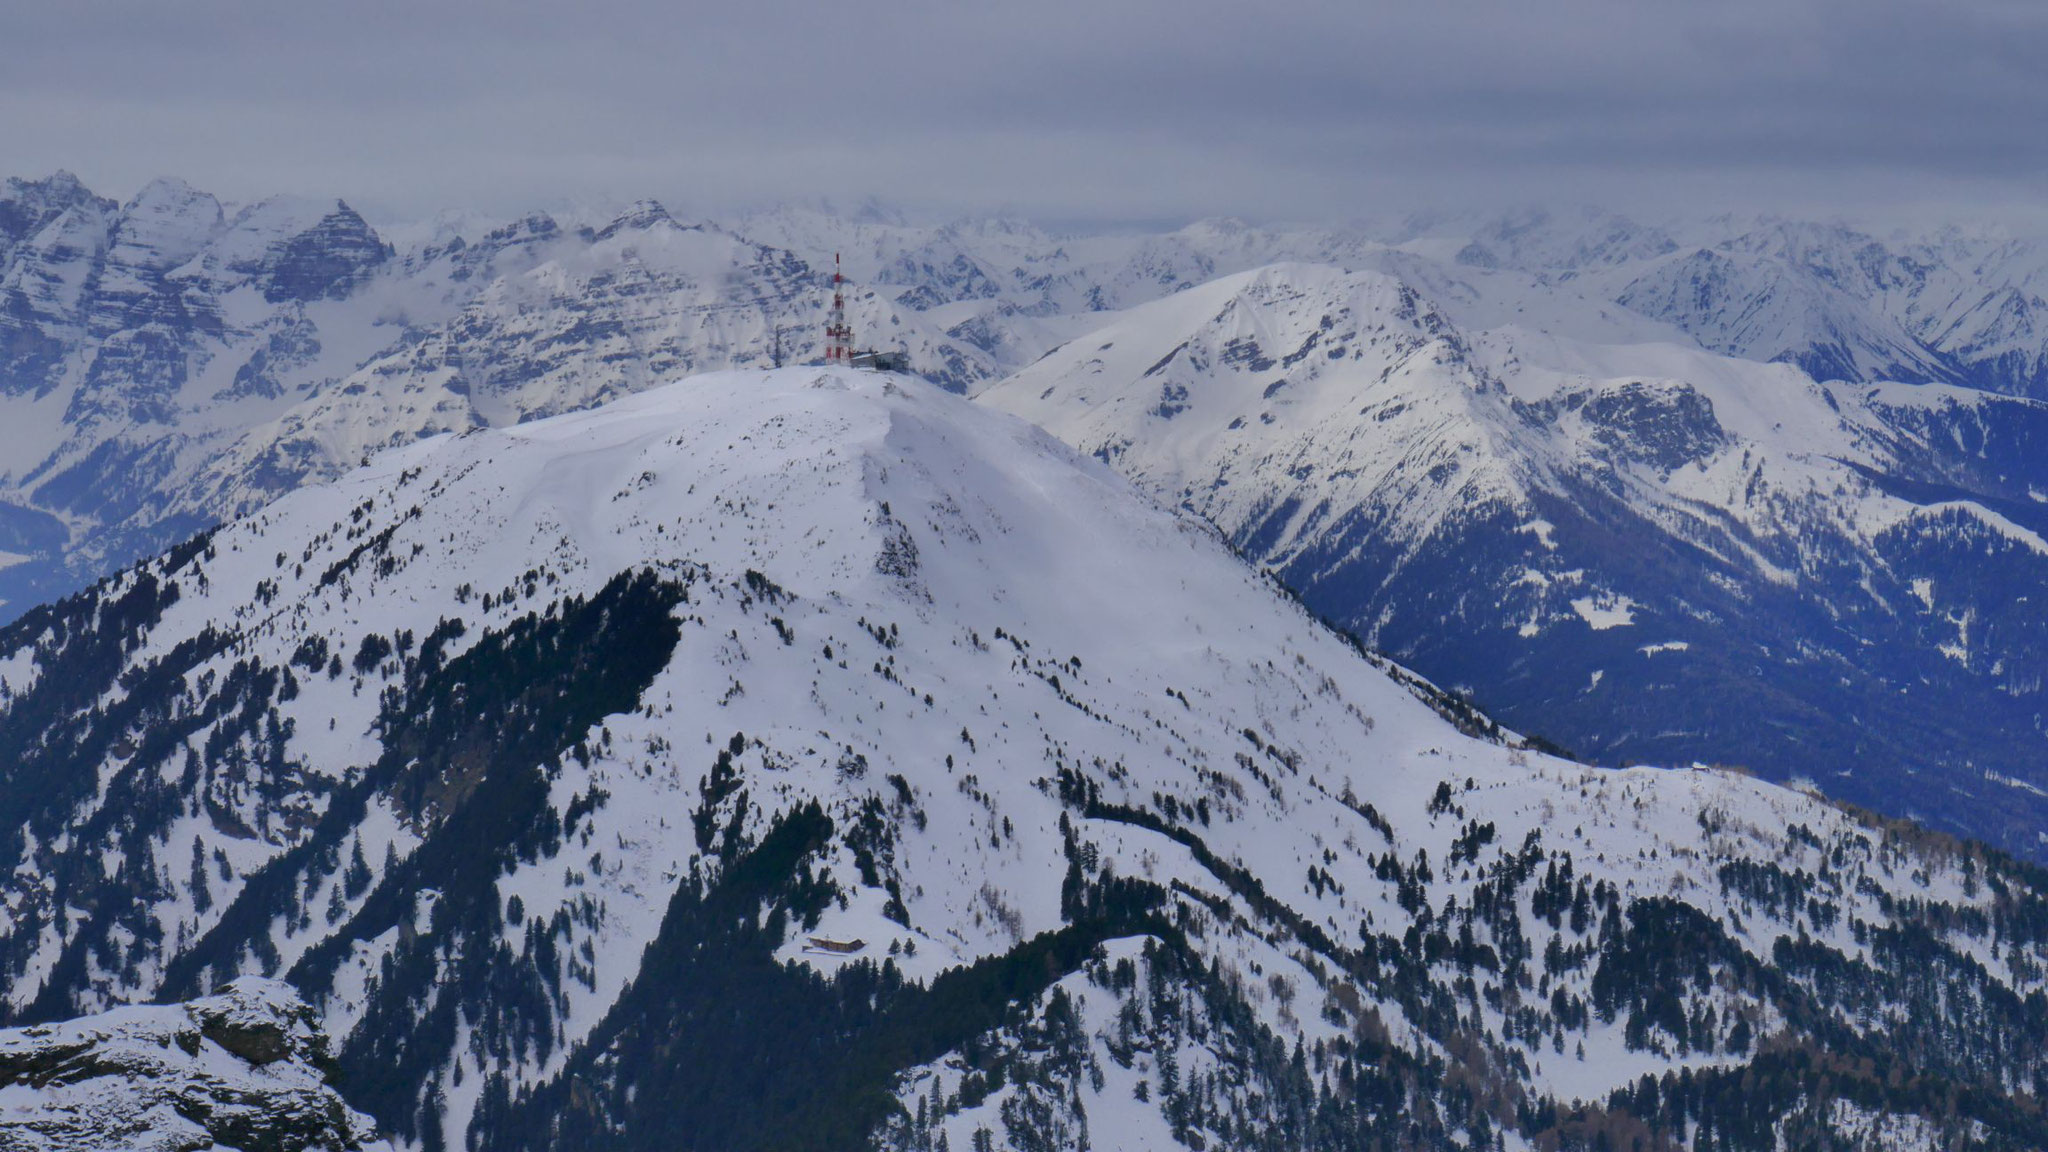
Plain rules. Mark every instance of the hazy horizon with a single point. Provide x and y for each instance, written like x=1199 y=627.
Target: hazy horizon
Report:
x=1089 y=115
x=403 y=225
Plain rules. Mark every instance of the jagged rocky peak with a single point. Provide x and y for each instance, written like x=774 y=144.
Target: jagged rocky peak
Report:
x=27 y=205
x=530 y=227
x=639 y=216
x=165 y=226
x=524 y=239
x=245 y=1068
x=170 y=220
x=294 y=249
x=327 y=260
x=475 y=248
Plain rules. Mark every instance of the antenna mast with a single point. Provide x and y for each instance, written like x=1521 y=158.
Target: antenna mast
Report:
x=838 y=336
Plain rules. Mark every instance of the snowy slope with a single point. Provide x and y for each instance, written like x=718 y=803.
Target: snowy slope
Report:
x=1605 y=540
x=525 y=755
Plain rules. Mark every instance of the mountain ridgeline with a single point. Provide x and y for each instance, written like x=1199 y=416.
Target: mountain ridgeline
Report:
x=1647 y=553
x=815 y=759
x=170 y=363
x=1585 y=475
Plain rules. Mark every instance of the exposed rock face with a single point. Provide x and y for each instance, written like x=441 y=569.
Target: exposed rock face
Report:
x=45 y=288
x=326 y=260
x=27 y=205
x=166 y=225
x=244 y=1069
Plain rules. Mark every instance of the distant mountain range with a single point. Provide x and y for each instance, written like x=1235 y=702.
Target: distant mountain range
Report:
x=164 y=364
x=1951 y=307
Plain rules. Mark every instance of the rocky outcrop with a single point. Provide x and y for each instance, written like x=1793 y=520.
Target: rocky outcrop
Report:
x=244 y=1068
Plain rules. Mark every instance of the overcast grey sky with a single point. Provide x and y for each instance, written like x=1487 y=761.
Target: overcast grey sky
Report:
x=1077 y=110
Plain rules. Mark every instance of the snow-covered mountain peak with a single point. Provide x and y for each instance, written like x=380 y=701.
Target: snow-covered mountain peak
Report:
x=653 y=242
x=256 y=227
x=639 y=216
x=166 y=193
x=882 y=489
x=172 y=220
x=62 y=187
x=291 y=248
x=1296 y=368
x=164 y=227
x=27 y=205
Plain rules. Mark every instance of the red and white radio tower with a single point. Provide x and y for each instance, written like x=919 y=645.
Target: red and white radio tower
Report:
x=838 y=336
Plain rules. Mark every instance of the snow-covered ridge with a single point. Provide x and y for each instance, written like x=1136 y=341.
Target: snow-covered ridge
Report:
x=479 y=745
x=167 y=365
x=1482 y=498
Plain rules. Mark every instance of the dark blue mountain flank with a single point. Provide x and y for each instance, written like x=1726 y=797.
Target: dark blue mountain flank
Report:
x=1642 y=552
